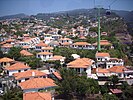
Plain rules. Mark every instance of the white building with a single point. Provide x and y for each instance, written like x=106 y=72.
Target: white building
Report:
x=44 y=55
x=16 y=68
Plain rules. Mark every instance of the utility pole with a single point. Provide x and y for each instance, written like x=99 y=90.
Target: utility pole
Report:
x=98 y=42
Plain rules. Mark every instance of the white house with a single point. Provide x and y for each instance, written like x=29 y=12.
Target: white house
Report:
x=82 y=65
x=40 y=46
x=16 y=68
x=82 y=45
x=44 y=55
x=23 y=76
x=114 y=62
x=30 y=42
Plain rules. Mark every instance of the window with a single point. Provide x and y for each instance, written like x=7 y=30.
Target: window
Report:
x=38 y=56
x=27 y=79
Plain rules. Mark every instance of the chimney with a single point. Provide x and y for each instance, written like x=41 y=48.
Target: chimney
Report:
x=33 y=73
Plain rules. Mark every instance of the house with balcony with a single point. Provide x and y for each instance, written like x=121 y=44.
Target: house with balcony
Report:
x=44 y=56
x=82 y=45
x=82 y=65
x=105 y=44
x=40 y=46
x=29 y=74
x=16 y=68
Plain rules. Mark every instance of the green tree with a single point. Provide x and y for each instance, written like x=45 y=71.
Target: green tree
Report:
x=33 y=62
x=74 y=85
x=107 y=96
x=114 y=80
x=14 y=52
x=13 y=94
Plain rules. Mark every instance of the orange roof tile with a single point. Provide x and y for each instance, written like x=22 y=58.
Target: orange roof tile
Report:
x=35 y=83
x=102 y=54
x=17 y=66
x=5 y=59
x=117 y=69
x=64 y=39
x=26 y=47
x=37 y=96
x=9 y=40
x=81 y=43
x=25 y=53
x=100 y=70
x=28 y=73
x=56 y=57
x=1 y=43
x=80 y=63
x=47 y=48
x=103 y=42
x=44 y=53
x=41 y=44
x=7 y=46
x=57 y=75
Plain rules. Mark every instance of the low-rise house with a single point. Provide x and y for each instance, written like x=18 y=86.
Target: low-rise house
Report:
x=105 y=44
x=36 y=84
x=54 y=44
x=40 y=46
x=82 y=65
x=65 y=40
x=82 y=45
x=114 y=62
x=44 y=55
x=30 y=42
x=58 y=58
x=118 y=70
x=102 y=57
x=5 y=62
x=6 y=47
x=47 y=49
x=25 y=53
x=37 y=96
x=104 y=60
x=16 y=68
x=26 y=75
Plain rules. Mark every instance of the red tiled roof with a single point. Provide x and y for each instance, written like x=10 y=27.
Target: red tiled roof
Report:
x=56 y=57
x=28 y=73
x=25 y=53
x=102 y=54
x=115 y=91
x=100 y=70
x=57 y=75
x=103 y=42
x=17 y=66
x=6 y=46
x=41 y=44
x=37 y=96
x=5 y=59
x=80 y=63
x=117 y=69
x=35 y=83
x=47 y=48
x=81 y=43
x=44 y=53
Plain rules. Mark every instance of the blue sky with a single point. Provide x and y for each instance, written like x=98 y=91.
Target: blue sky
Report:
x=9 y=7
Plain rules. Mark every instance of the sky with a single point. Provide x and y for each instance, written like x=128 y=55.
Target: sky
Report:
x=32 y=7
